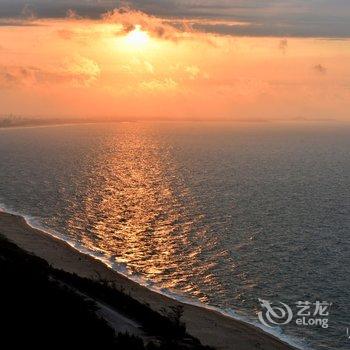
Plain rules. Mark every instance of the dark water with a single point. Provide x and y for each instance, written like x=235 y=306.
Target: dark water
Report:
x=221 y=213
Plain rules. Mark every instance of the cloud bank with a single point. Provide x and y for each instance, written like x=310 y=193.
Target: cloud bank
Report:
x=294 y=18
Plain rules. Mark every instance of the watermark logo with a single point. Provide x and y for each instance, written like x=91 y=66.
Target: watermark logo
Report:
x=306 y=313
x=274 y=315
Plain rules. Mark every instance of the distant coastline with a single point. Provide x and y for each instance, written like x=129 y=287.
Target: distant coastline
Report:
x=15 y=122
x=210 y=327
x=29 y=122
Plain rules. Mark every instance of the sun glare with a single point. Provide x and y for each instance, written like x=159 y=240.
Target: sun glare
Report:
x=137 y=38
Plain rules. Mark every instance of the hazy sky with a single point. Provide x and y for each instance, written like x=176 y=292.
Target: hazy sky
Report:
x=235 y=59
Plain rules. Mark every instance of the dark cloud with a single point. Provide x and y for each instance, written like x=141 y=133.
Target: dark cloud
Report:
x=319 y=68
x=55 y=9
x=283 y=45
x=299 y=18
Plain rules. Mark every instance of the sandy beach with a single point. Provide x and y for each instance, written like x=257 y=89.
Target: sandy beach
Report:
x=210 y=327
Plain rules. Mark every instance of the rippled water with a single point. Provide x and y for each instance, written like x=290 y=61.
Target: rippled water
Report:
x=221 y=213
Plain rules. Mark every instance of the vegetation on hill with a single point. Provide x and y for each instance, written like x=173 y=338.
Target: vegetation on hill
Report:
x=43 y=307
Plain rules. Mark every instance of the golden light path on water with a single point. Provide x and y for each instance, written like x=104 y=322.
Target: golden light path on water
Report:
x=138 y=221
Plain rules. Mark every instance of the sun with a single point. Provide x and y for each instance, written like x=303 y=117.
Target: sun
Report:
x=137 y=38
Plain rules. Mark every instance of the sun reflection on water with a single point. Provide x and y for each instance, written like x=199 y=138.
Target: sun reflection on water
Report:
x=135 y=219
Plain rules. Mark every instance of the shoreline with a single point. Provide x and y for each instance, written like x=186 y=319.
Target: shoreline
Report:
x=210 y=326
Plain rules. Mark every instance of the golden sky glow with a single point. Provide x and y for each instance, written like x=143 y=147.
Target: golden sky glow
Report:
x=134 y=65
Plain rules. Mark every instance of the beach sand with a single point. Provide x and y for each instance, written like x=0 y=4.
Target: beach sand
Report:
x=210 y=327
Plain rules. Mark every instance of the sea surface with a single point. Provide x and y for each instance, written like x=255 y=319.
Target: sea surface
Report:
x=217 y=213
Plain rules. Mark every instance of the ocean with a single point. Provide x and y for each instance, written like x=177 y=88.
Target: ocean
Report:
x=213 y=213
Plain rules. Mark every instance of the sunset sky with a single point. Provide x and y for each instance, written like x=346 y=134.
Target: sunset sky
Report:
x=233 y=60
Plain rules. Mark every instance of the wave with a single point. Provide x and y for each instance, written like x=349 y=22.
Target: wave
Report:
x=176 y=295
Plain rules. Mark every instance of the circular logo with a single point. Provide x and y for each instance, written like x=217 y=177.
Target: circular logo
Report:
x=274 y=315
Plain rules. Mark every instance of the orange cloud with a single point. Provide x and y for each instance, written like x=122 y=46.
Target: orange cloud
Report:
x=167 y=84
x=130 y=18
x=78 y=71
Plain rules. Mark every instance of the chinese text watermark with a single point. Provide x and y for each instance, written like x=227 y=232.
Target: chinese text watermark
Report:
x=304 y=313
